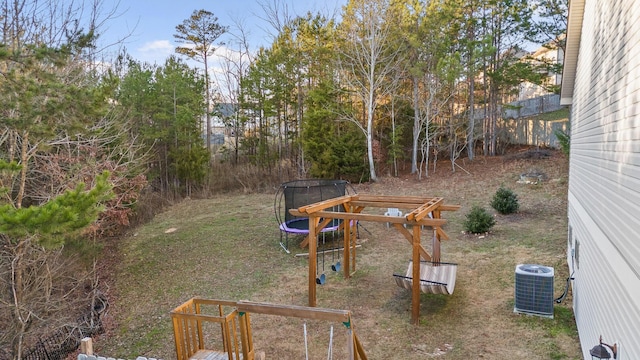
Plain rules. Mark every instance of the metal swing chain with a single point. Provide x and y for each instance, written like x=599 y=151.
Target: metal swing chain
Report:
x=306 y=348
x=330 y=353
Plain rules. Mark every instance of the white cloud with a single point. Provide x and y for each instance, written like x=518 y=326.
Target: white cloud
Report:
x=156 y=46
x=155 y=51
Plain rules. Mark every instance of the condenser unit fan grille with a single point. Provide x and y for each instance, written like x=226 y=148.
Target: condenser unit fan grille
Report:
x=534 y=290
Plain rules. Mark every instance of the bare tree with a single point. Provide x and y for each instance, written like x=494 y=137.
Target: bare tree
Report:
x=234 y=64
x=51 y=287
x=276 y=14
x=429 y=106
x=367 y=59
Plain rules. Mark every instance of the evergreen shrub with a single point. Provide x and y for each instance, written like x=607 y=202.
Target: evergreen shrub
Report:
x=478 y=220
x=505 y=201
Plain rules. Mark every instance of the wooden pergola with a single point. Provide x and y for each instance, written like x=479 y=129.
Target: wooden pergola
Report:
x=418 y=215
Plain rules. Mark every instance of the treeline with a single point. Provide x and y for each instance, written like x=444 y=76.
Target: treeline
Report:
x=393 y=81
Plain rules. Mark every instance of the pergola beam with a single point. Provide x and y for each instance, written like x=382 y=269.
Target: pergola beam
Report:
x=371 y=217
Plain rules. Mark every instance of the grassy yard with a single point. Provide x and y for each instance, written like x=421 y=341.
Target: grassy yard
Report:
x=227 y=248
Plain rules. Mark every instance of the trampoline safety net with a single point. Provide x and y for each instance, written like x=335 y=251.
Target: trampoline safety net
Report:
x=304 y=192
x=298 y=193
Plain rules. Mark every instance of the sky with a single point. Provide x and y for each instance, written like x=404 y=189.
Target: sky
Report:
x=146 y=27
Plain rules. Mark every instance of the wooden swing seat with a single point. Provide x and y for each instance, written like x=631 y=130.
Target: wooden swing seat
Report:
x=435 y=278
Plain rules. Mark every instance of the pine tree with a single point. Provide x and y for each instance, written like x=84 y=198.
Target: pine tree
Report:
x=48 y=97
x=200 y=32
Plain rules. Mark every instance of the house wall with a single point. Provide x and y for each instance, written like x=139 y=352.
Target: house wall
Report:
x=604 y=177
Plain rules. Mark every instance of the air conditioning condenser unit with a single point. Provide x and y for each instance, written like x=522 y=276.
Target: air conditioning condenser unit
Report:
x=534 y=290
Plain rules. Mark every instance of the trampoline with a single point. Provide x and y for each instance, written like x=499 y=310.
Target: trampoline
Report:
x=298 y=193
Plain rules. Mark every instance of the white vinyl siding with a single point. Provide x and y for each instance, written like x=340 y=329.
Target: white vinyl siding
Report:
x=574 y=29
x=606 y=292
x=604 y=175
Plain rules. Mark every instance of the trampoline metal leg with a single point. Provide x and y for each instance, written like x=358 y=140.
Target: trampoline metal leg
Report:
x=284 y=247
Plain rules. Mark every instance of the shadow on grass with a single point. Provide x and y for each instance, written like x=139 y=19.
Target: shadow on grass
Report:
x=400 y=303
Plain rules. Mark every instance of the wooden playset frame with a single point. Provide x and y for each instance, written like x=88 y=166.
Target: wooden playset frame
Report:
x=422 y=212
x=233 y=317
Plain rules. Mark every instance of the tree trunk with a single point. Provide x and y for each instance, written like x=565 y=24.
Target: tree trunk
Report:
x=208 y=103
x=299 y=115
x=416 y=126
x=393 y=138
x=472 y=120
x=17 y=291
x=371 y=107
x=24 y=160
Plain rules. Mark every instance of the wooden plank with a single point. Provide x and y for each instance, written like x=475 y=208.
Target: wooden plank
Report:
x=424 y=205
x=209 y=355
x=386 y=204
x=86 y=346
x=435 y=246
x=177 y=336
x=356 y=209
x=210 y=318
x=321 y=205
x=346 y=253
x=303 y=312
x=305 y=242
x=352 y=250
x=322 y=225
x=401 y=205
x=443 y=235
x=397 y=199
x=198 y=300
x=359 y=348
x=246 y=336
x=423 y=210
x=373 y=218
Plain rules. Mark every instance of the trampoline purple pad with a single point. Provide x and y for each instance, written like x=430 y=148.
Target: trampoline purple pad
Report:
x=300 y=226
x=297 y=193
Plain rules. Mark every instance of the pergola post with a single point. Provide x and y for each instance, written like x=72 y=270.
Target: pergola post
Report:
x=346 y=246
x=313 y=259
x=435 y=241
x=415 y=287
